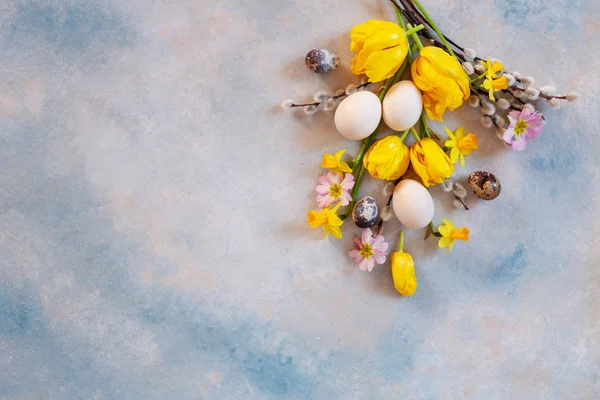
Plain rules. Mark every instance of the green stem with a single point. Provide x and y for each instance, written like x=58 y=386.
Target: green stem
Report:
x=404 y=135
x=401 y=22
x=417 y=40
x=414 y=30
x=479 y=77
x=358 y=160
x=435 y=28
x=415 y=134
x=401 y=242
x=425 y=125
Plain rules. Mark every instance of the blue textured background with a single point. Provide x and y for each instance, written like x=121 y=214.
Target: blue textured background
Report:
x=153 y=242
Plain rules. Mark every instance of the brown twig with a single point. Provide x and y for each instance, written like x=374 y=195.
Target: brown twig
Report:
x=339 y=96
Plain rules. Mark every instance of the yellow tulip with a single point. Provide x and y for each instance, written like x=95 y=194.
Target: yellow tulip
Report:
x=403 y=273
x=444 y=83
x=387 y=159
x=381 y=48
x=430 y=162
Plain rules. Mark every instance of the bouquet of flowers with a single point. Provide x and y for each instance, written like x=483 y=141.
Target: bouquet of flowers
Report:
x=443 y=76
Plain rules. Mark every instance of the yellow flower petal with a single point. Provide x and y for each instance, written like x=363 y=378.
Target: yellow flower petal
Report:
x=430 y=162
x=444 y=83
x=381 y=48
x=387 y=159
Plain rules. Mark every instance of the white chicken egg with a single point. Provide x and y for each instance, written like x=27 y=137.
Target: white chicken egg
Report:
x=358 y=115
x=402 y=106
x=413 y=205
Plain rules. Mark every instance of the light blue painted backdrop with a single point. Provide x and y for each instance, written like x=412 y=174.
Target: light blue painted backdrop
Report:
x=153 y=201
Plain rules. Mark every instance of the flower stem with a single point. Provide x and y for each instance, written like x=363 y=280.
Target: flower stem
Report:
x=415 y=134
x=425 y=125
x=414 y=30
x=401 y=242
x=417 y=40
x=434 y=26
x=404 y=135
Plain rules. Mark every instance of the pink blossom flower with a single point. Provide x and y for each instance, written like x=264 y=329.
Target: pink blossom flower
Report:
x=524 y=125
x=368 y=250
x=332 y=188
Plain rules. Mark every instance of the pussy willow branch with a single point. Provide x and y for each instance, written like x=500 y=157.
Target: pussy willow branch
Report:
x=339 y=96
x=380 y=223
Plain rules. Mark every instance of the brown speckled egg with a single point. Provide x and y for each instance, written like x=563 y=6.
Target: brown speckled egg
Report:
x=485 y=185
x=322 y=60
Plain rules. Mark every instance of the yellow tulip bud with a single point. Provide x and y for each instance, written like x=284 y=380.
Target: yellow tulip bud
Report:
x=387 y=159
x=441 y=78
x=403 y=273
x=381 y=48
x=430 y=162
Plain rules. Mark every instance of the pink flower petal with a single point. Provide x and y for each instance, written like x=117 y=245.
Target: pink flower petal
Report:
x=366 y=236
x=346 y=198
x=508 y=136
x=519 y=143
x=354 y=254
x=370 y=263
x=325 y=181
x=324 y=201
x=363 y=265
x=379 y=259
x=357 y=242
x=333 y=177
x=348 y=182
x=322 y=189
x=514 y=116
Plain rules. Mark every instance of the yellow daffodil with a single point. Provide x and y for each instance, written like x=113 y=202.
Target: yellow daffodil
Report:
x=441 y=78
x=334 y=163
x=387 y=159
x=450 y=234
x=430 y=162
x=493 y=85
x=492 y=82
x=461 y=145
x=381 y=48
x=492 y=69
x=328 y=219
x=403 y=273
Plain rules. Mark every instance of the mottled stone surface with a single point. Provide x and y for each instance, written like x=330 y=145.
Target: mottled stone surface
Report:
x=153 y=201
